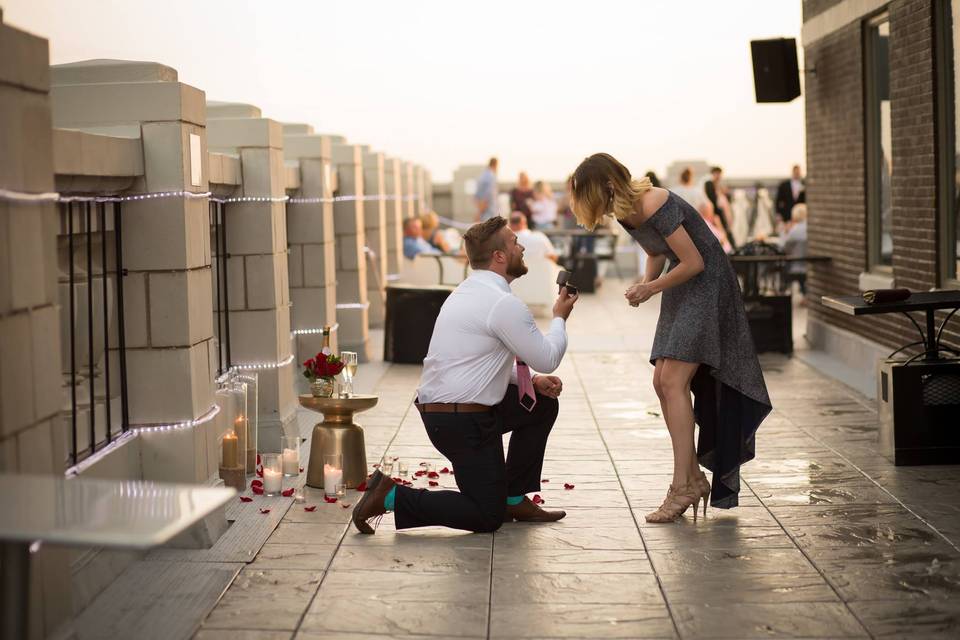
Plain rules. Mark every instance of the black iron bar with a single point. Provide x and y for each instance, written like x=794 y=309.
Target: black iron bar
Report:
x=121 y=327
x=102 y=214
x=226 y=288
x=88 y=211
x=68 y=208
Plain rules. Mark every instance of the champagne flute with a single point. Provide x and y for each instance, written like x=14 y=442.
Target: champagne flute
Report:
x=349 y=359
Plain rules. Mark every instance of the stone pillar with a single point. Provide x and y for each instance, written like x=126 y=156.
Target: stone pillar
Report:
x=312 y=259
x=31 y=438
x=420 y=200
x=166 y=250
x=428 y=189
x=375 y=232
x=257 y=243
x=393 y=187
x=409 y=191
x=348 y=224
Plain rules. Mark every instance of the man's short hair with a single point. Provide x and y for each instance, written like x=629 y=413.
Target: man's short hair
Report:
x=716 y=169
x=482 y=239
x=516 y=217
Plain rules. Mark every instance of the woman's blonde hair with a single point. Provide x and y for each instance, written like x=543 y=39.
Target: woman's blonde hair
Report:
x=602 y=185
x=429 y=220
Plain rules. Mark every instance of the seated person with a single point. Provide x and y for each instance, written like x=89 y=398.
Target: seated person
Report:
x=543 y=207
x=413 y=242
x=535 y=244
x=431 y=232
x=793 y=241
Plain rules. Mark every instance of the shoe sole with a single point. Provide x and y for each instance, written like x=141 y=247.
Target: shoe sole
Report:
x=374 y=481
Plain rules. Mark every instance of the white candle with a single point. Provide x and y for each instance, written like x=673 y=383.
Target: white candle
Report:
x=331 y=478
x=272 y=481
x=291 y=462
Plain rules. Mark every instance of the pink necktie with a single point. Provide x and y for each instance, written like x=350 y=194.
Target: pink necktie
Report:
x=528 y=397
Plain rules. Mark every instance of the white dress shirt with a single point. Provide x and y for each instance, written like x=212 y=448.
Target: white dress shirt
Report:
x=480 y=329
x=535 y=244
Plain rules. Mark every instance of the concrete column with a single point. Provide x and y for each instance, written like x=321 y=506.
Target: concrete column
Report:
x=348 y=223
x=312 y=258
x=257 y=243
x=31 y=438
x=393 y=188
x=409 y=191
x=375 y=232
x=463 y=188
x=428 y=189
x=420 y=201
x=166 y=249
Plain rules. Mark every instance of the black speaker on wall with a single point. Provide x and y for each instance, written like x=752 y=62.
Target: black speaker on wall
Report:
x=776 y=75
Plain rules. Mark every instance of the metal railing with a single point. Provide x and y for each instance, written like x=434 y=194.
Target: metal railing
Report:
x=218 y=244
x=96 y=367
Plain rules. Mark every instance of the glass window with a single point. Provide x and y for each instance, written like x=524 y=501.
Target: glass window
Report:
x=879 y=156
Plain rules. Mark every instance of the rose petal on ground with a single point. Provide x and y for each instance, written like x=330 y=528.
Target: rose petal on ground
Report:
x=301 y=469
x=445 y=470
x=256 y=483
x=345 y=505
x=568 y=486
x=433 y=474
x=433 y=483
x=311 y=508
x=246 y=499
x=286 y=493
x=420 y=473
x=362 y=486
x=399 y=480
x=257 y=490
x=264 y=510
x=259 y=472
x=329 y=500
x=544 y=479
x=538 y=500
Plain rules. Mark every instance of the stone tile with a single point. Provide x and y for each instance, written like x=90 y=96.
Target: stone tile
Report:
x=580 y=588
x=823 y=493
x=578 y=561
x=909 y=535
x=303 y=533
x=734 y=587
x=294 y=556
x=381 y=586
x=704 y=536
x=850 y=514
x=739 y=517
x=547 y=536
x=720 y=561
x=931 y=620
x=587 y=517
x=236 y=634
x=413 y=559
x=575 y=620
x=390 y=619
x=265 y=599
x=759 y=620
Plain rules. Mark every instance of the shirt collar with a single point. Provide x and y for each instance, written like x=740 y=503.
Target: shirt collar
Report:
x=493 y=278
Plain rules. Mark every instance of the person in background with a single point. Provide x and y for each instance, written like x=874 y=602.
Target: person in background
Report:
x=521 y=195
x=697 y=199
x=543 y=207
x=535 y=244
x=486 y=194
x=652 y=177
x=793 y=241
x=789 y=193
x=430 y=223
x=413 y=242
x=717 y=195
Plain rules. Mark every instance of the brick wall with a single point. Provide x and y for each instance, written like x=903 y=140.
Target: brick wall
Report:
x=836 y=177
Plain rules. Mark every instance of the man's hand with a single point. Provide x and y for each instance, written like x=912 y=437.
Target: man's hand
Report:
x=550 y=386
x=564 y=304
x=639 y=293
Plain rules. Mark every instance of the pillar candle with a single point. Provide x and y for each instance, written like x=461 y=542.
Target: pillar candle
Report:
x=272 y=481
x=291 y=462
x=231 y=457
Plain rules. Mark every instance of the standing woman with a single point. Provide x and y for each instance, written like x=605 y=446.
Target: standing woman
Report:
x=703 y=342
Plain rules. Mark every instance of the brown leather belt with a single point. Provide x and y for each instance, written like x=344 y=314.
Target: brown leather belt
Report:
x=453 y=407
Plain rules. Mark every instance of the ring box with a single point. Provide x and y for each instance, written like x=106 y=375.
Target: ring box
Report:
x=563 y=279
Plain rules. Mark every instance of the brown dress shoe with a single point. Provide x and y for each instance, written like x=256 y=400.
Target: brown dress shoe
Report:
x=526 y=511
x=371 y=504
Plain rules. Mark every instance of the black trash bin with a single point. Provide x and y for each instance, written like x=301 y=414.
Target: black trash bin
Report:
x=410 y=315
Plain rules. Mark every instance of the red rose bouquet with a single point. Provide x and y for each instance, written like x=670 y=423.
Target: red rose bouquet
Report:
x=322 y=366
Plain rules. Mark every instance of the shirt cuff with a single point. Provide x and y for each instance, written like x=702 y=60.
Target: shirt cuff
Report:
x=561 y=321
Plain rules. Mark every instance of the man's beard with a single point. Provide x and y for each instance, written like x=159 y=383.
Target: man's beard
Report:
x=517 y=268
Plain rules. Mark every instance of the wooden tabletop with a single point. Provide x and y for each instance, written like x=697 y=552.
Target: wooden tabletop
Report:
x=920 y=301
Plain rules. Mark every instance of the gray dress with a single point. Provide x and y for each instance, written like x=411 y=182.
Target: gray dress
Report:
x=703 y=320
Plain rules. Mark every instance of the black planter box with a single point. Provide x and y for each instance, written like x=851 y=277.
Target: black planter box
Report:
x=411 y=313
x=771 y=322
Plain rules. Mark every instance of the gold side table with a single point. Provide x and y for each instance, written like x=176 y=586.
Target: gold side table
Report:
x=338 y=433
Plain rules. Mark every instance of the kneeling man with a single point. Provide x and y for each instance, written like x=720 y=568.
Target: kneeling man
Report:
x=476 y=386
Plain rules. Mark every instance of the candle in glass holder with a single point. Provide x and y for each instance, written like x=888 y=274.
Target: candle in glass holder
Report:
x=332 y=476
x=291 y=455
x=272 y=474
x=240 y=429
x=231 y=457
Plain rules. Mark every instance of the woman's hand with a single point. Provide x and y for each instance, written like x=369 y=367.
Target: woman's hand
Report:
x=639 y=293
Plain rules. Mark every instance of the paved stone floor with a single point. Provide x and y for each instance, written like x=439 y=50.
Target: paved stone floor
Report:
x=831 y=540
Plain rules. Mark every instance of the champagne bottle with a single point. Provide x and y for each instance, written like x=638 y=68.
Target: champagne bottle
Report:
x=326 y=340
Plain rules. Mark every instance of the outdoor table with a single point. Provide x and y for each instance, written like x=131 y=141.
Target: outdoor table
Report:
x=928 y=301
x=751 y=284
x=81 y=512
x=338 y=433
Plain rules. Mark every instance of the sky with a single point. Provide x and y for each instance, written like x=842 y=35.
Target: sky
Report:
x=538 y=84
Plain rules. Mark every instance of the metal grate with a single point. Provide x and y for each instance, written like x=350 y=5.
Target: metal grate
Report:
x=941 y=390
x=91 y=292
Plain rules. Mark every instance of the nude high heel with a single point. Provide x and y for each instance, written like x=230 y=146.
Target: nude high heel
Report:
x=703 y=486
x=678 y=500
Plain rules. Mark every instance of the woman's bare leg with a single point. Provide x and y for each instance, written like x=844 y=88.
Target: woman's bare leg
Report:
x=674 y=391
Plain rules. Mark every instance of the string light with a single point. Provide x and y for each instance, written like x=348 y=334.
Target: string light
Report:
x=259 y=366
x=210 y=414
x=250 y=199
x=353 y=305
x=22 y=196
x=137 y=197
x=310 y=332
